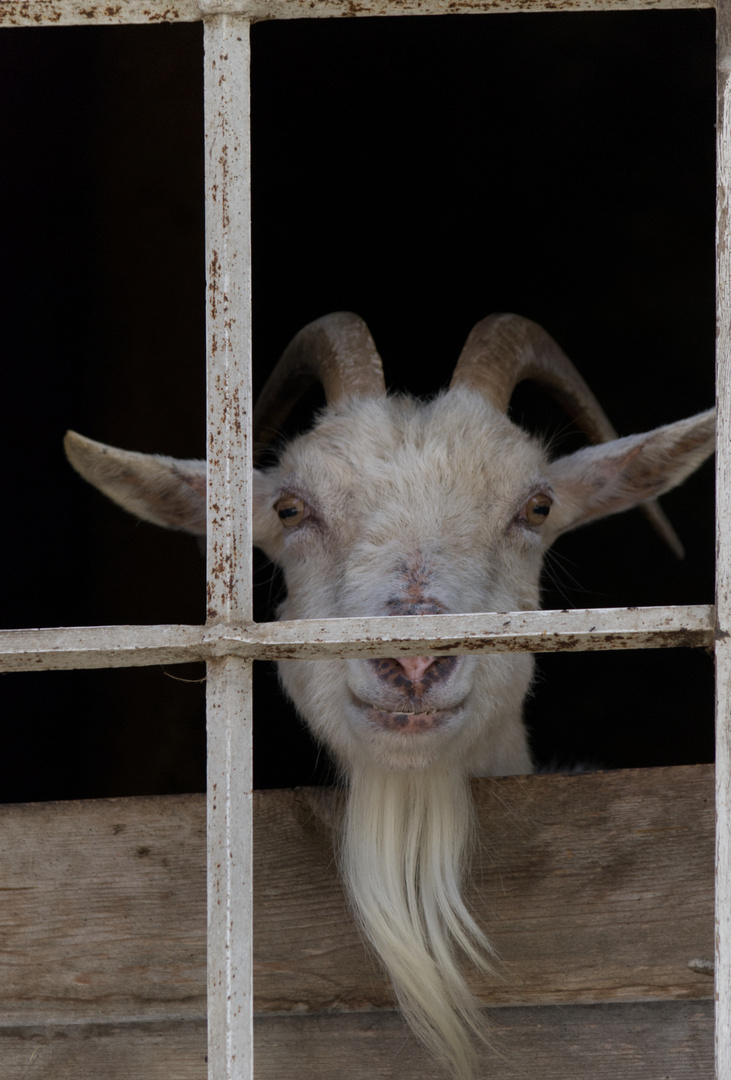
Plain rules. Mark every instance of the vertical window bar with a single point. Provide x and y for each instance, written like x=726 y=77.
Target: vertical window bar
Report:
x=228 y=322
x=723 y=553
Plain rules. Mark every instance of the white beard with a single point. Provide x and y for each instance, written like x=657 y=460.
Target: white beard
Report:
x=406 y=840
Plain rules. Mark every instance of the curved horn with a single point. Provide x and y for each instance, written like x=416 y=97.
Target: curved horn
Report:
x=337 y=351
x=503 y=350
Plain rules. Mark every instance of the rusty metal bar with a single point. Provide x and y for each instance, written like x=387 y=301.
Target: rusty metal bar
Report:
x=84 y=13
x=228 y=319
x=449 y=635
x=111 y=13
x=228 y=687
x=258 y=10
x=230 y=824
x=723 y=550
x=66 y=649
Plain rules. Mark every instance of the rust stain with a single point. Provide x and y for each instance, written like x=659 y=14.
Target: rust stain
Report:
x=722 y=226
x=214 y=272
x=24 y=13
x=223 y=163
x=169 y=15
x=236 y=413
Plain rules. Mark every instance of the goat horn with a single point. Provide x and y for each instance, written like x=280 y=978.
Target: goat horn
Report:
x=337 y=351
x=503 y=350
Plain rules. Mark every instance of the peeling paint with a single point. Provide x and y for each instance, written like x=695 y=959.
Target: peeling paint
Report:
x=75 y=12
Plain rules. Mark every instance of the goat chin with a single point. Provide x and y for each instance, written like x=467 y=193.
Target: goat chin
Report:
x=405 y=843
x=394 y=752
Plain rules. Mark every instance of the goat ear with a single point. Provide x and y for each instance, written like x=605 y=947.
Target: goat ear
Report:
x=163 y=490
x=614 y=476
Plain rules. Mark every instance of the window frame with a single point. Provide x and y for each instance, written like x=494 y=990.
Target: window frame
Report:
x=230 y=640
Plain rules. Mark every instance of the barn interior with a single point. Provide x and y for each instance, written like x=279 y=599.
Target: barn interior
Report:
x=422 y=172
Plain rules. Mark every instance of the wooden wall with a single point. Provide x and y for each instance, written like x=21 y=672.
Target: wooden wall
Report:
x=597 y=890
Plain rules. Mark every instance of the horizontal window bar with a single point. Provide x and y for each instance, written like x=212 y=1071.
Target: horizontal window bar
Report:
x=66 y=648
x=80 y=13
x=445 y=635
x=87 y=12
x=325 y=9
x=448 y=635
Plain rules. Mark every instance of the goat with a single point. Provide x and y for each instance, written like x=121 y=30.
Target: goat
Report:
x=394 y=506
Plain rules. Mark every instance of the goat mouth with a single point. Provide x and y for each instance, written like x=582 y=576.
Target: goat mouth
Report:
x=406 y=723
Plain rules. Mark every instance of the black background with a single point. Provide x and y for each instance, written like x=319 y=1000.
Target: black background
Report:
x=422 y=172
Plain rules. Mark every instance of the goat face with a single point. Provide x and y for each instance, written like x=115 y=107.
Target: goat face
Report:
x=397 y=507
x=392 y=506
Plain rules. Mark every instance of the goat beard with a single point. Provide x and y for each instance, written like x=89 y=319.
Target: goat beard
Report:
x=406 y=839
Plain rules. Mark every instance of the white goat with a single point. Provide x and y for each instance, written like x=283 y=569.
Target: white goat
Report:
x=393 y=506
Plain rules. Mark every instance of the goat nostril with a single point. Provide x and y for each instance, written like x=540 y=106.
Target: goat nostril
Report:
x=415 y=667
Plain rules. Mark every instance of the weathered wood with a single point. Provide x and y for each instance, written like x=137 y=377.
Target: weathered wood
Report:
x=153 y=1050
x=103 y=909
x=668 y=1040
x=594 y=888
x=447 y=635
x=672 y=1040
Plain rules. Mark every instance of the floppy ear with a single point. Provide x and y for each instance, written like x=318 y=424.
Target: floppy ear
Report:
x=604 y=479
x=162 y=490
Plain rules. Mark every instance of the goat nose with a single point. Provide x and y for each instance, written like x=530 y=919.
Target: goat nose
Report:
x=415 y=674
x=414 y=667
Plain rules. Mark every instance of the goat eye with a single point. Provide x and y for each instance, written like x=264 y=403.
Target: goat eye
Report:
x=291 y=511
x=537 y=509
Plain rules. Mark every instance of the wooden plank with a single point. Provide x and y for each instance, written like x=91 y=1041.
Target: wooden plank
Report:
x=576 y=630
x=89 y=12
x=594 y=888
x=103 y=909
x=672 y=1040
x=668 y=1040
x=156 y=1050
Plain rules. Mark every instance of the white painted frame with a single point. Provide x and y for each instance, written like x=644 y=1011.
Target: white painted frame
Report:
x=230 y=641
